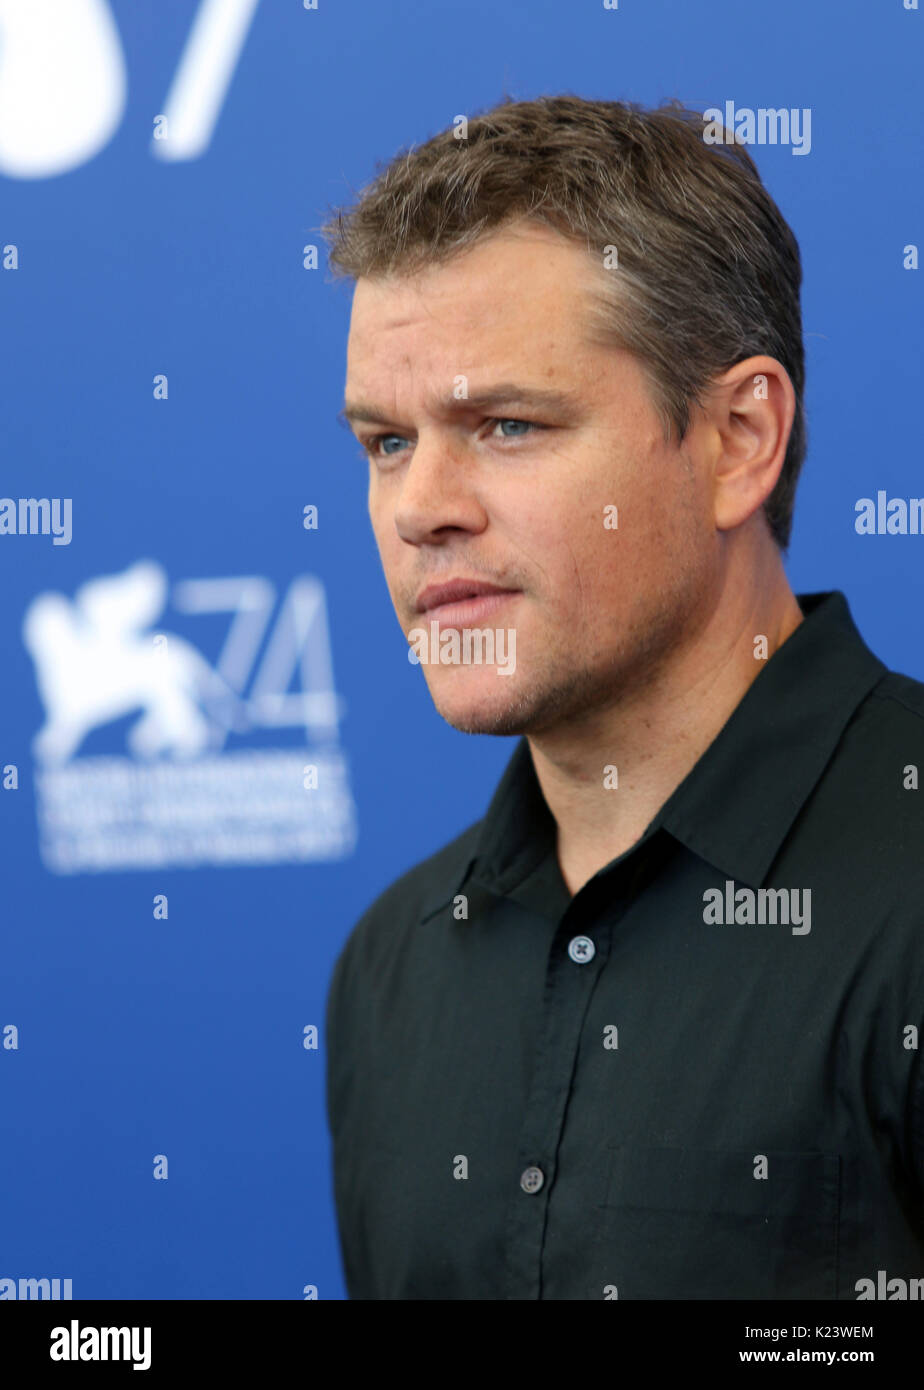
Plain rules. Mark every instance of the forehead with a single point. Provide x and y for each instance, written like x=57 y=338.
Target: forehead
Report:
x=509 y=293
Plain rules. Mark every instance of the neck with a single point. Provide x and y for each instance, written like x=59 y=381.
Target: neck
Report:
x=654 y=737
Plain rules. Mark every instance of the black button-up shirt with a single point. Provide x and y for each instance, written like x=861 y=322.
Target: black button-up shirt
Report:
x=697 y=1078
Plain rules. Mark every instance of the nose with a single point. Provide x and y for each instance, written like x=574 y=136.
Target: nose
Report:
x=438 y=492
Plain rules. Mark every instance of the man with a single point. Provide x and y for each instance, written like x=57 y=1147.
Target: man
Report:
x=650 y=1029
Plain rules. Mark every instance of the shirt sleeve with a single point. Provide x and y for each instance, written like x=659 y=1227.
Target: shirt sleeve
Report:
x=916 y=1116
x=340 y=1047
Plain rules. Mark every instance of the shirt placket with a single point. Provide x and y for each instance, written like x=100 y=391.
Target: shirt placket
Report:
x=578 y=953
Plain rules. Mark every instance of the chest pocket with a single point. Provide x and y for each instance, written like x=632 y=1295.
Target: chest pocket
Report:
x=696 y=1223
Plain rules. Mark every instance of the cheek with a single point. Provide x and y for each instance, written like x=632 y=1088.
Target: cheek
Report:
x=389 y=545
x=555 y=545
x=616 y=552
x=381 y=517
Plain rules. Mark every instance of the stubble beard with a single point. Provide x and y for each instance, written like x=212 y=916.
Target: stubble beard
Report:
x=572 y=686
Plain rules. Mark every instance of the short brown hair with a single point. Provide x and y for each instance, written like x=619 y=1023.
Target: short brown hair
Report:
x=709 y=271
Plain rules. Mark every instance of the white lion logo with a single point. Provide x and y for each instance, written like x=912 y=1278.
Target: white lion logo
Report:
x=95 y=662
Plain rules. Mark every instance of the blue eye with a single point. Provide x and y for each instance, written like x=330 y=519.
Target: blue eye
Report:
x=372 y=445
x=521 y=429
x=527 y=424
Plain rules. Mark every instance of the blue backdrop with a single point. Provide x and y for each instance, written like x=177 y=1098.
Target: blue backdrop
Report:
x=182 y=645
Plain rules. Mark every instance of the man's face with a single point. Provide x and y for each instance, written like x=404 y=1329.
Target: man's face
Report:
x=519 y=493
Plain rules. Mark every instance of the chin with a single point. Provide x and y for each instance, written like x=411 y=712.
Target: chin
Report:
x=481 y=713
x=501 y=725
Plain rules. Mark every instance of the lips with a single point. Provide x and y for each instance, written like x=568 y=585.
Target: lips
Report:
x=455 y=591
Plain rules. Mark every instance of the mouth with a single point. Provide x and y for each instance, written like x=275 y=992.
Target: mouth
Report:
x=469 y=612
x=462 y=602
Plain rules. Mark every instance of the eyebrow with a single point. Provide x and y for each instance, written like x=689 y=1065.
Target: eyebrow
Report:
x=506 y=393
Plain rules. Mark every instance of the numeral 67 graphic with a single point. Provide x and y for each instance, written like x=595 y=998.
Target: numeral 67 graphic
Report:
x=63 y=82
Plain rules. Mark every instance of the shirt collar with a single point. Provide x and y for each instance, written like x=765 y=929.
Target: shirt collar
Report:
x=736 y=805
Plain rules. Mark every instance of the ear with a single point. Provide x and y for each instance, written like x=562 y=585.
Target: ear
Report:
x=751 y=408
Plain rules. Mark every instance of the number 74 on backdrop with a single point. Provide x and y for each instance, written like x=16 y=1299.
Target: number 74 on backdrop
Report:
x=177 y=796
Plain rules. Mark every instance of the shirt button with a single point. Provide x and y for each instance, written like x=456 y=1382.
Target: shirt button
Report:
x=581 y=949
x=531 y=1179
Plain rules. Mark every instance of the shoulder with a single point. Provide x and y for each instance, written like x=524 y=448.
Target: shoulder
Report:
x=899 y=700
x=884 y=747
x=867 y=819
